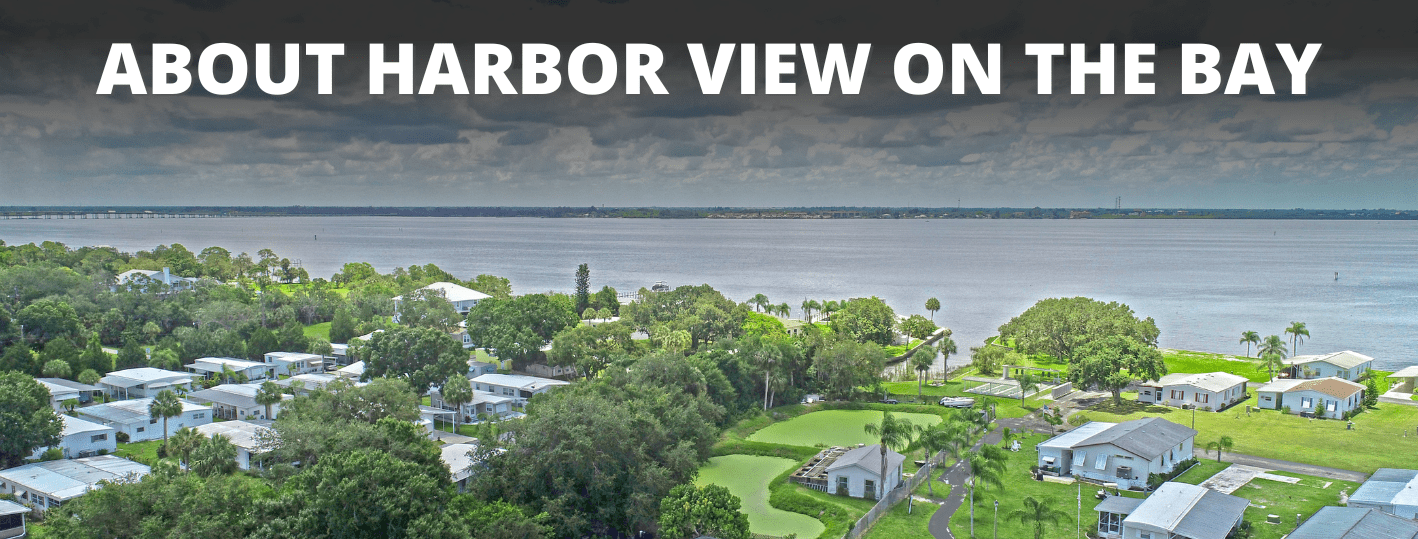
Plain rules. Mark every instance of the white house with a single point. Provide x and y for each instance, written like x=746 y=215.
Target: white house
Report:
x=293 y=363
x=1209 y=391
x=1175 y=510
x=82 y=438
x=478 y=368
x=211 y=367
x=1352 y=522
x=517 y=386
x=353 y=371
x=313 y=381
x=43 y=485
x=483 y=403
x=132 y=418
x=236 y=401
x=459 y=458
x=61 y=390
x=141 y=278
x=1390 y=490
x=543 y=369
x=1331 y=397
x=857 y=473
x=12 y=519
x=245 y=435
x=1404 y=380
x=340 y=353
x=1123 y=453
x=143 y=382
x=462 y=297
x=1347 y=365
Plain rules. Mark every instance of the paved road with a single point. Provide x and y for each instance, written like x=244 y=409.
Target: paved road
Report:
x=939 y=525
x=1287 y=466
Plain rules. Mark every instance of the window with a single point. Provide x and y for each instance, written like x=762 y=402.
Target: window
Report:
x=1145 y=536
x=1124 y=472
x=140 y=429
x=199 y=415
x=1266 y=398
x=1102 y=462
x=1080 y=458
x=152 y=421
x=842 y=484
x=1307 y=402
x=869 y=488
x=98 y=438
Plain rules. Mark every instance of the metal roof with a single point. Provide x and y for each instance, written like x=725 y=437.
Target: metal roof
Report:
x=130 y=411
x=65 y=479
x=294 y=356
x=1279 y=386
x=243 y=434
x=234 y=364
x=238 y=395
x=453 y=292
x=142 y=375
x=458 y=459
x=70 y=384
x=74 y=425
x=868 y=457
x=1189 y=510
x=1118 y=505
x=529 y=383
x=1210 y=381
x=1406 y=372
x=8 y=508
x=1146 y=437
x=1355 y=523
x=1071 y=438
x=1388 y=486
x=1344 y=360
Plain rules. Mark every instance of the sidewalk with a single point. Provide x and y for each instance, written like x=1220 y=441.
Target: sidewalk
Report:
x=1286 y=466
x=939 y=525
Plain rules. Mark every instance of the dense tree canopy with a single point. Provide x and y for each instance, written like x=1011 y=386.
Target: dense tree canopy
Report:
x=1060 y=326
x=1111 y=363
x=866 y=320
x=517 y=328
x=702 y=311
x=27 y=422
x=423 y=356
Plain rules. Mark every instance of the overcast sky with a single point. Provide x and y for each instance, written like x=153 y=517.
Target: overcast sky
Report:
x=1350 y=142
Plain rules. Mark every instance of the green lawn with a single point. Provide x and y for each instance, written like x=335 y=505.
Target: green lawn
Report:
x=898 y=523
x=1279 y=498
x=748 y=476
x=1017 y=485
x=906 y=392
x=321 y=330
x=144 y=452
x=1187 y=361
x=1201 y=472
x=831 y=427
x=1377 y=440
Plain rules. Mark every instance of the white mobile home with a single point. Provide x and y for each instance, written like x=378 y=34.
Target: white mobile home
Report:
x=1123 y=453
x=483 y=403
x=245 y=435
x=143 y=382
x=518 y=387
x=12 y=519
x=1210 y=391
x=44 y=485
x=1390 y=490
x=236 y=401
x=61 y=390
x=1329 y=397
x=131 y=417
x=1174 y=510
x=1346 y=365
x=293 y=363
x=211 y=367
x=462 y=297
x=1352 y=522
x=82 y=438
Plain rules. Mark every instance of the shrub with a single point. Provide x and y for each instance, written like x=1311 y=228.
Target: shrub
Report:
x=122 y=437
x=1285 y=409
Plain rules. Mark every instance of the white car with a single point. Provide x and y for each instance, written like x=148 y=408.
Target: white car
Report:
x=957 y=402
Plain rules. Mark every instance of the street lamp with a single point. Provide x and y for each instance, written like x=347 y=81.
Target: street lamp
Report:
x=996 y=519
x=972 y=508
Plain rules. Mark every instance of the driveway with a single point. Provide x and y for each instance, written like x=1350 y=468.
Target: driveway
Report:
x=1287 y=466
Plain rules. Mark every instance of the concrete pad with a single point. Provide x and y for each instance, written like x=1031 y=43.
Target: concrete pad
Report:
x=1233 y=477
x=1272 y=477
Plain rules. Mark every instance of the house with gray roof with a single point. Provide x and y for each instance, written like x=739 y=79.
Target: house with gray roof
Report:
x=1348 y=365
x=1354 y=523
x=1206 y=391
x=44 y=485
x=246 y=436
x=12 y=519
x=212 y=367
x=236 y=401
x=857 y=473
x=1332 y=397
x=1390 y=490
x=293 y=363
x=131 y=417
x=61 y=390
x=1174 y=510
x=518 y=387
x=81 y=438
x=1122 y=453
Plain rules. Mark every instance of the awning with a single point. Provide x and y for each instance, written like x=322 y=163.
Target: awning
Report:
x=1049 y=460
x=177 y=382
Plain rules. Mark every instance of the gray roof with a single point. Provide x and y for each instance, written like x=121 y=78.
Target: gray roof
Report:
x=1118 y=505
x=1406 y=372
x=1344 y=360
x=129 y=411
x=243 y=434
x=65 y=479
x=1071 y=438
x=74 y=425
x=69 y=384
x=8 y=508
x=1147 y=437
x=869 y=458
x=529 y=383
x=238 y=395
x=143 y=375
x=1388 y=486
x=1210 y=381
x=1190 y=510
x=1355 y=523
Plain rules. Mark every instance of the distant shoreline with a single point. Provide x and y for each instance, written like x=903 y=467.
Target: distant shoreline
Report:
x=816 y=212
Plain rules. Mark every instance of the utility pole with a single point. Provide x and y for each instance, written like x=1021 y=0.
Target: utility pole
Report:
x=996 y=519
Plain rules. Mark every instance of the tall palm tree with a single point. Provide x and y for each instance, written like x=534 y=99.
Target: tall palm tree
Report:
x=946 y=346
x=457 y=391
x=948 y=435
x=759 y=301
x=829 y=307
x=1274 y=347
x=1038 y=513
x=784 y=310
x=765 y=357
x=269 y=393
x=184 y=441
x=1027 y=384
x=1271 y=363
x=922 y=361
x=1225 y=443
x=814 y=305
x=894 y=433
x=1297 y=333
x=1248 y=338
x=165 y=405
x=932 y=305
x=986 y=465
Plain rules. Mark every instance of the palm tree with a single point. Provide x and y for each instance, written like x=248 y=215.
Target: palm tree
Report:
x=813 y=306
x=1248 y=338
x=184 y=441
x=1297 y=333
x=932 y=305
x=943 y=436
x=946 y=347
x=1272 y=345
x=1271 y=363
x=922 y=361
x=457 y=391
x=1027 y=384
x=759 y=301
x=1223 y=444
x=894 y=433
x=986 y=465
x=269 y=393
x=784 y=310
x=1038 y=512
x=829 y=307
x=165 y=405
x=765 y=357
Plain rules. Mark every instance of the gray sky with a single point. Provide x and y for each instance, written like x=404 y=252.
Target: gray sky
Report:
x=1349 y=143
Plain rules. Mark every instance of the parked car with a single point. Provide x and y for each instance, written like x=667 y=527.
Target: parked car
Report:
x=957 y=402
x=889 y=401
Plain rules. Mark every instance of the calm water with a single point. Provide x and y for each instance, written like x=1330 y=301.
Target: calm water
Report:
x=1203 y=281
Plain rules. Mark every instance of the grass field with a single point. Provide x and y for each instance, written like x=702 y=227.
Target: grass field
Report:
x=831 y=427
x=898 y=523
x=1017 y=485
x=321 y=330
x=906 y=392
x=144 y=452
x=1377 y=440
x=1201 y=472
x=1186 y=361
x=747 y=477
x=1279 y=498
